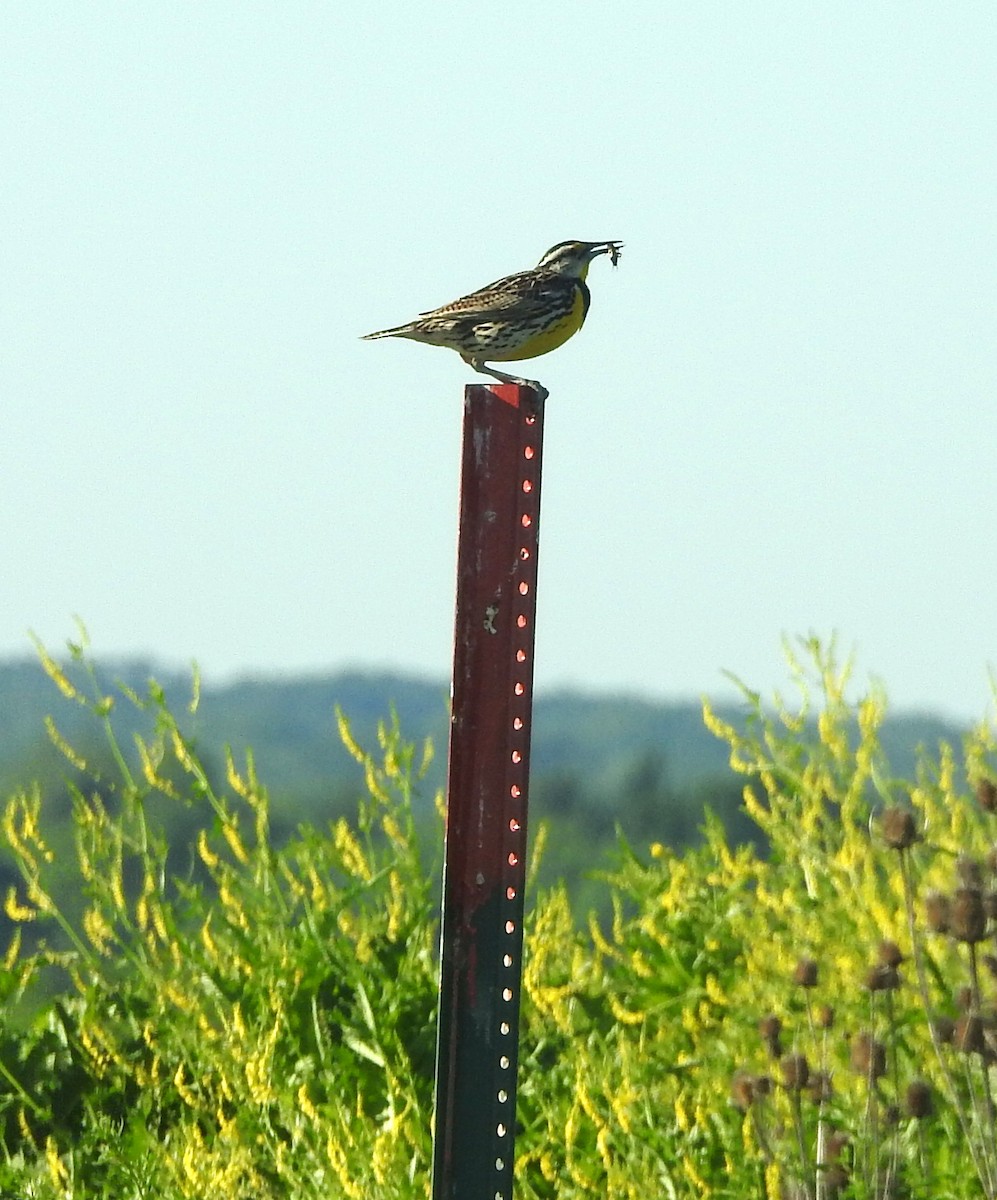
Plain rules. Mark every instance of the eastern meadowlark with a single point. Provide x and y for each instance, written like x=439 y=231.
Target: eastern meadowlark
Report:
x=519 y=316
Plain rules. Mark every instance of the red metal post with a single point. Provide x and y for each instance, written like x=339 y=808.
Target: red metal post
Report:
x=484 y=872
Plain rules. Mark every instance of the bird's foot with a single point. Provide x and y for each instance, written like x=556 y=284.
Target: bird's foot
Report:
x=540 y=393
x=536 y=388
x=534 y=385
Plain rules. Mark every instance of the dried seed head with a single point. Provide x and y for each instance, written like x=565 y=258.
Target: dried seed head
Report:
x=819 y=1087
x=881 y=978
x=868 y=1056
x=805 y=974
x=825 y=1016
x=969 y=1035
x=835 y=1180
x=891 y=1114
x=889 y=954
x=836 y=1142
x=918 y=1100
x=795 y=1072
x=944 y=1028
x=770 y=1028
x=938 y=910
x=763 y=1085
x=899 y=829
x=970 y=871
x=969 y=920
x=986 y=794
x=742 y=1091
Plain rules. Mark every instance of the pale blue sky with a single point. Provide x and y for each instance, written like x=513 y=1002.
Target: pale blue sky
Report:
x=780 y=416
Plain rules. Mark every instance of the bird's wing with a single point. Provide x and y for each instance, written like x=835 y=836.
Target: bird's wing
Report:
x=512 y=295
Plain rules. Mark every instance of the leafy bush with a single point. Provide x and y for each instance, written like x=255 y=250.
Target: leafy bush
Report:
x=252 y=1022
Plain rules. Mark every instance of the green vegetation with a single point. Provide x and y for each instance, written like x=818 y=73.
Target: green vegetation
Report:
x=600 y=765
x=242 y=1019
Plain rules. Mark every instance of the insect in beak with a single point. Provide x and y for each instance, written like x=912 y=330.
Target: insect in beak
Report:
x=612 y=247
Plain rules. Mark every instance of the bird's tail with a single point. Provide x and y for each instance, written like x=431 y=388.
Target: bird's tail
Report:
x=396 y=331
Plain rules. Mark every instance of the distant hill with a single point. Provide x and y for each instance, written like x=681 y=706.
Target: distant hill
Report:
x=290 y=725
x=600 y=763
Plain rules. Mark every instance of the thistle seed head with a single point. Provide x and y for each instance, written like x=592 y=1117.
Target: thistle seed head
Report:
x=970 y=871
x=986 y=795
x=819 y=1087
x=868 y=1056
x=742 y=1091
x=770 y=1027
x=969 y=918
x=835 y=1180
x=918 y=1100
x=889 y=954
x=899 y=829
x=881 y=978
x=969 y=1035
x=938 y=910
x=944 y=1028
x=836 y=1142
x=795 y=1072
x=805 y=974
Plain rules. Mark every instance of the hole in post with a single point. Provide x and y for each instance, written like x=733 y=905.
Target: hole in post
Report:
x=500 y=1129
x=503 y=1096
x=510 y=926
x=521 y=621
x=514 y=791
x=514 y=825
x=528 y=452
x=504 y=1063
x=524 y=588
x=516 y=756
x=527 y=486
x=504 y=1028
x=524 y=554
x=517 y=723
x=499 y=1164
x=520 y=656
x=513 y=860
x=519 y=689
x=506 y=960
x=526 y=520
x=510 y=893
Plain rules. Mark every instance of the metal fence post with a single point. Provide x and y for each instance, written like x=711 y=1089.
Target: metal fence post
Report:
x=485 y=860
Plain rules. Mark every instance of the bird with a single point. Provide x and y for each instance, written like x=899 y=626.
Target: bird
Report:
x=517 y=317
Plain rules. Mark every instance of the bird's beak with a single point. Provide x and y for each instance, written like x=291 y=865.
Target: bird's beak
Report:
x=612 y=248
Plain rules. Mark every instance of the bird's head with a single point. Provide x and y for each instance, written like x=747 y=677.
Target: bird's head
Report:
x=573 y=258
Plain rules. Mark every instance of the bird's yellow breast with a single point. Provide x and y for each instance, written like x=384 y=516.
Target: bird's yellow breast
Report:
x=549 y=336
